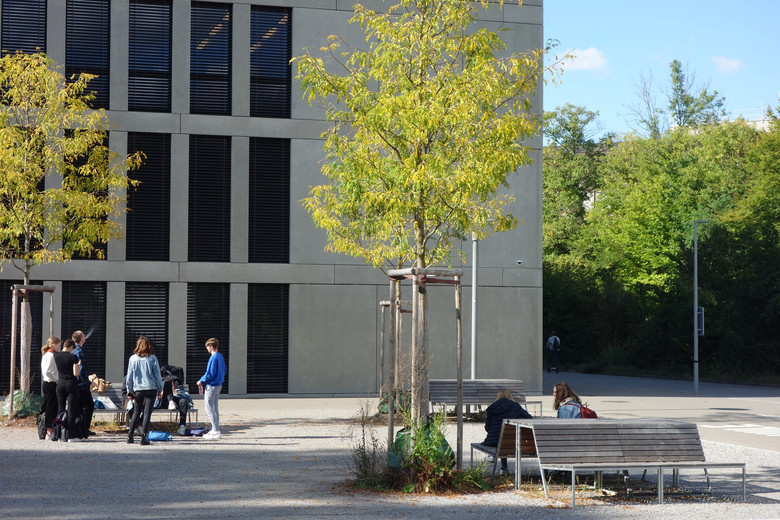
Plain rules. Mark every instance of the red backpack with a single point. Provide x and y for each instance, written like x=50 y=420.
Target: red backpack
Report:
x=587 y=413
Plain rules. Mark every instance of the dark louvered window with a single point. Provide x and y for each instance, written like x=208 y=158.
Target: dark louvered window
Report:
x=209 y=203
x=210 y=58
x=146 y=314
x=23 y=26
x=267 y=326
x=208 y=316
x=149 y=60
x=270 y=52
x=87 y=45
x=84 y=308
x=36 y=304
x=269 y=200
x=148 y=221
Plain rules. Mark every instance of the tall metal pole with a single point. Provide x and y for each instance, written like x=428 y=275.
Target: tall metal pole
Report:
x=696 y=304
x=474 y=289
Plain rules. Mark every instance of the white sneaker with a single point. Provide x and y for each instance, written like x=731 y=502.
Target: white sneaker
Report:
x=182 y=430
x=76 y=439
x=212 y=435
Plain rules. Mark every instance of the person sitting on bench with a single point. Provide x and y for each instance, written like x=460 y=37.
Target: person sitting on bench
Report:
x=502 y=408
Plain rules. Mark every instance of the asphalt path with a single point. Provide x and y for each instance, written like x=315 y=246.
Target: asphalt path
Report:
x=742 y=415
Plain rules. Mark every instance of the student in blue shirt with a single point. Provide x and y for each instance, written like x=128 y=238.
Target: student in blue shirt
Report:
x=212 y=381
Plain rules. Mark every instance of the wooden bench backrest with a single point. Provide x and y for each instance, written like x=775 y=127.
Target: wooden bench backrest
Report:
x=562 y=441
x=506 y=442
x=475 y=391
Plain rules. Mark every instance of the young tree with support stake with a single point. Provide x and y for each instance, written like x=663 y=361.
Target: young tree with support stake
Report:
x=61 y=187
x=428 y=121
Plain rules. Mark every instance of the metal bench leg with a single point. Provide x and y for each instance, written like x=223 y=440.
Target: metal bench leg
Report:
x=709 y=484
x=544 y=482
x=573 y=489
x=660 y=485
x=743 y=484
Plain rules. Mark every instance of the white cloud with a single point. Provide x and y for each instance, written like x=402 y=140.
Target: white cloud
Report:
x=587 y=59
x=727 y=65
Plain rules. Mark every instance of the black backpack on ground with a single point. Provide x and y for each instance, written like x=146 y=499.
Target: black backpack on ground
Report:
x=42 y=425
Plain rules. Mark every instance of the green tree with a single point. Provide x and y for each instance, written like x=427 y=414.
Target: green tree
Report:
x=428 y=121
x=691 y=104
x=60 y=186
x=571 y=173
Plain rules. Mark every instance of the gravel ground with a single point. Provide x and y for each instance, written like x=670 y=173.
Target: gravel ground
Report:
x=297 y=465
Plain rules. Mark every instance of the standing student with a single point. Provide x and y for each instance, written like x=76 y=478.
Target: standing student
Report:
x=144 y=383
x=68 y=369
x=212 y=381
x=50 y=375
x=86 y=404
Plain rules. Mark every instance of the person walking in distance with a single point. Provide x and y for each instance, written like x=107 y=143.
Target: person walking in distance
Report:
x=86 y=405
x=210 y=385
x=554 y=346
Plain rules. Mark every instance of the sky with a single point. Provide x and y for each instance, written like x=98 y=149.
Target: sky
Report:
x=734 y=45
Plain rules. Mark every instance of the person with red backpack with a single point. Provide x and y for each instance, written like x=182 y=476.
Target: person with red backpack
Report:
x=569 y=405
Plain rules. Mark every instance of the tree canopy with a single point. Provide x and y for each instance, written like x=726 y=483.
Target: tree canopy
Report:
x=428 y=121
x=60 y=185
x=618 y=264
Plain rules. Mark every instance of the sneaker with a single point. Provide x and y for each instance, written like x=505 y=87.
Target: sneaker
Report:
x=49 y=437
x=145 y=442
x=182 y=430
x=212 y=435
x=76 y=439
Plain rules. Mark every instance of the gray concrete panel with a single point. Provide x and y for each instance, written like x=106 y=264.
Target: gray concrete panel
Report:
x=332 y=340
x=237 y=371
x=307 y=242
x=55 y=32
x=240 y=60
x=180 y=54
x=255 y=273
x=180 y=197
x=115 y=328
x=359 y=275
x=239 y=200
x=177 y=327
x=120 y=49
x=251 y=126
x=145 y=121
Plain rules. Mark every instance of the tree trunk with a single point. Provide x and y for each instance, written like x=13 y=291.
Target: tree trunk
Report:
x=24 y=348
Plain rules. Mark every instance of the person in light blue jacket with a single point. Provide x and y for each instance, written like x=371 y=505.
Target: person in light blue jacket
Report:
x=144 y=383
x=212 y=381
x=566 y=402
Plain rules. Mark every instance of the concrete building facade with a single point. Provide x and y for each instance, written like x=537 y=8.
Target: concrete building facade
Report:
x=217 y=242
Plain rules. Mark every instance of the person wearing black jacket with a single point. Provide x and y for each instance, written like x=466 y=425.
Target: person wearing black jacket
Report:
x=502 y=408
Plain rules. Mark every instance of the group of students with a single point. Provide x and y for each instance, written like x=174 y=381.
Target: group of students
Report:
x=566 y=403
x=66 y=387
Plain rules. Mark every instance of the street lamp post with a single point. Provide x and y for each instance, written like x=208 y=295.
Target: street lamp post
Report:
x=696 y=304
x=474 y=289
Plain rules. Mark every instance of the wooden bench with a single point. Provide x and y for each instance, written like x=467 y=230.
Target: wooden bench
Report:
x=477 y=392
x=506 y=448
x=120 y=413
x=578 y=445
